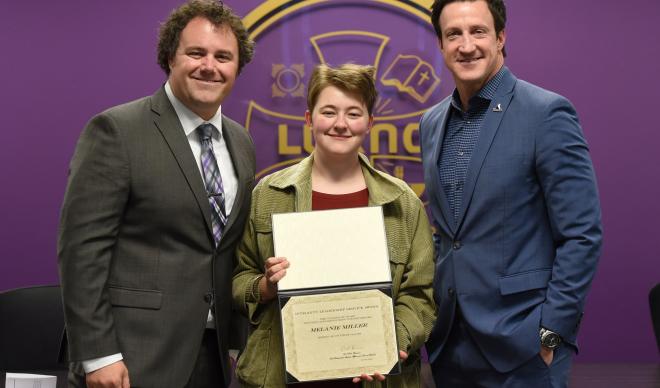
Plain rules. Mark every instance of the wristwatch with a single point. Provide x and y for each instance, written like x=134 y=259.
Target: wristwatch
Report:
x=549 y=339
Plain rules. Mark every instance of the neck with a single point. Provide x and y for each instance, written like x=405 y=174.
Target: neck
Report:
x=337 y=175
x=467 y=91
x=205 y=115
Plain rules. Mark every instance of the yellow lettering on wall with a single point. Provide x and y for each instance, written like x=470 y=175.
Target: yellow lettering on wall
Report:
x=408 y=133
x=283 y=141
x=374 y=142
x=307 y=139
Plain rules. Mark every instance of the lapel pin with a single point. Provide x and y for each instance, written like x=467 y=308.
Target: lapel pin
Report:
x=498 y=108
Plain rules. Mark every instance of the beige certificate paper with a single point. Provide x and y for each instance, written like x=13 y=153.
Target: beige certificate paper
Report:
x=339 y=335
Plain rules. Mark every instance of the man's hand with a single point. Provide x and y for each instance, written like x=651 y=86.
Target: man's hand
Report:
x=547 y=355
x=377 y=376
x=112 y=376
x=275 y=270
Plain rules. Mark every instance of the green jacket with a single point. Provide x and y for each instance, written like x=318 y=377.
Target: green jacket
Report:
x=411 y=261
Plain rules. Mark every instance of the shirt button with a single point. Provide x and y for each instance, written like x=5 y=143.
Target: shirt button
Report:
x=208 y=298
x=461 y=153
x=450 y=291
x=457 y=245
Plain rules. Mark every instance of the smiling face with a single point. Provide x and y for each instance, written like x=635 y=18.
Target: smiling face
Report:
x=471 y=48
x=339 y=122
x=204 y=67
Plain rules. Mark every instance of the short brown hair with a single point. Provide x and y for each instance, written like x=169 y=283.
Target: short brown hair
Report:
x=349 y=77
x=215 y=12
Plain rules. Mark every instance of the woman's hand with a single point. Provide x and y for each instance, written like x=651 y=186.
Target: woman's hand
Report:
x=377 y=376
x=275 y=270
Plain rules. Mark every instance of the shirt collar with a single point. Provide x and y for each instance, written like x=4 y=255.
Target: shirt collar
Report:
x=189 y=119
x=486 y=93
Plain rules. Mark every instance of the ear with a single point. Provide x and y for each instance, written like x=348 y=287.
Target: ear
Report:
x=440 y=44
x=501 y=40
x=308 y=118
x=370 y=124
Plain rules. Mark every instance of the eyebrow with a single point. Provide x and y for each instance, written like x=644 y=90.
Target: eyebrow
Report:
x=335 y=107
x=193 y=48
x=200 y=48
x=470 y=27
x=224 y=52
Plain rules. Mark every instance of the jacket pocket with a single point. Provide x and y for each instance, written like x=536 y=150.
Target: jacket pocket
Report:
x=133 y=297
x=525 y=281
x=263 y=224
x=263 y=228
x=253 y=362
x=398 y=260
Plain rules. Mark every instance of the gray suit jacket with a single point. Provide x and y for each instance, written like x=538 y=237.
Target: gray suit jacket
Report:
x=136 y=254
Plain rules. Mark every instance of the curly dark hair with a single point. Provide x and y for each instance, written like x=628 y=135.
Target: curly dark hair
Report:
x=218 y=14
x=497 y=9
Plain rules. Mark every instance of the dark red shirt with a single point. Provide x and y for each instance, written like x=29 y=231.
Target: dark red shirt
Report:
x=323 y=201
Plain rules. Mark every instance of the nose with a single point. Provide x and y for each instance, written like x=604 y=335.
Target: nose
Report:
x=206 y=63
x=341 y=122
x=467 y=44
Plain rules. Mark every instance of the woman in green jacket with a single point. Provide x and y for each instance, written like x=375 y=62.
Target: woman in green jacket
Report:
x=340 y=103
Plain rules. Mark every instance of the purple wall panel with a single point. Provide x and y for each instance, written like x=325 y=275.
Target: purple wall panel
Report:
x=62 y=62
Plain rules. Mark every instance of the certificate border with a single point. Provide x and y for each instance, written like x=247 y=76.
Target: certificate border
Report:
x=285 y=297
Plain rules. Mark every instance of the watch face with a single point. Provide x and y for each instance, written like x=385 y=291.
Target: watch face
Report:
x=550 y=340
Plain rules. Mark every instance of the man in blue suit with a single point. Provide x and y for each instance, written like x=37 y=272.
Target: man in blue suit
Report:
x=515 y=206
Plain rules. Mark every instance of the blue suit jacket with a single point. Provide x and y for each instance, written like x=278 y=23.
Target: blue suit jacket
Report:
x=525 y=247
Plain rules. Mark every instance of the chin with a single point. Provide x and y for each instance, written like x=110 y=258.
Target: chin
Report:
x=207 y=100
x=332 y=150
x=470 y=75
x=344 y=151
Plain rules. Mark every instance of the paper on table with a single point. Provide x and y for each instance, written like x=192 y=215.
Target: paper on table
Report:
x=332 y=247
x=25 y=380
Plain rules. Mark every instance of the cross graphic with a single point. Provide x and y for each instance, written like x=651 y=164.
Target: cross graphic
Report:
x=423 y=77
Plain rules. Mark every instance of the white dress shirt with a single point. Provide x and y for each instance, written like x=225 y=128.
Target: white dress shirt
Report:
x=190 y=121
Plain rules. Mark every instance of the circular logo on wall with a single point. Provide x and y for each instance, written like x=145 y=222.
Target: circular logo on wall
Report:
x=396 y=37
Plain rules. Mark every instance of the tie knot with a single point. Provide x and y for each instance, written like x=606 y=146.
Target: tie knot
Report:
x=205 y=131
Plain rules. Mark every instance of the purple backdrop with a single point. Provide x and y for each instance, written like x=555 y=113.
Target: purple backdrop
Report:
x=62 y=62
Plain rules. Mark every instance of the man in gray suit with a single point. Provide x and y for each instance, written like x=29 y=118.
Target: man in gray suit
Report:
x=157 y=197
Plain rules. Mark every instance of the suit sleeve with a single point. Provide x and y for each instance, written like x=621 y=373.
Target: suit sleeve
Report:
x=567 y=178
x=96 y=195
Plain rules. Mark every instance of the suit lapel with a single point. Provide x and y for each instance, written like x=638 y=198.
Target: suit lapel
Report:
x=489 y=129
x=436 y=187
x=168 y=124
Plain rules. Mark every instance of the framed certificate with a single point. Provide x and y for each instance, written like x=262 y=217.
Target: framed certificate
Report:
x=336 y=300
x=341 y=334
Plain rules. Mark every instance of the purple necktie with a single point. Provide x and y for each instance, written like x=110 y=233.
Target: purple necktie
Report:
x=213 y=181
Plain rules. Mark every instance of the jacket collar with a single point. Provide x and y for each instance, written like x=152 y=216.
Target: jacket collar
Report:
x=383 y=188
x=506 y=84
